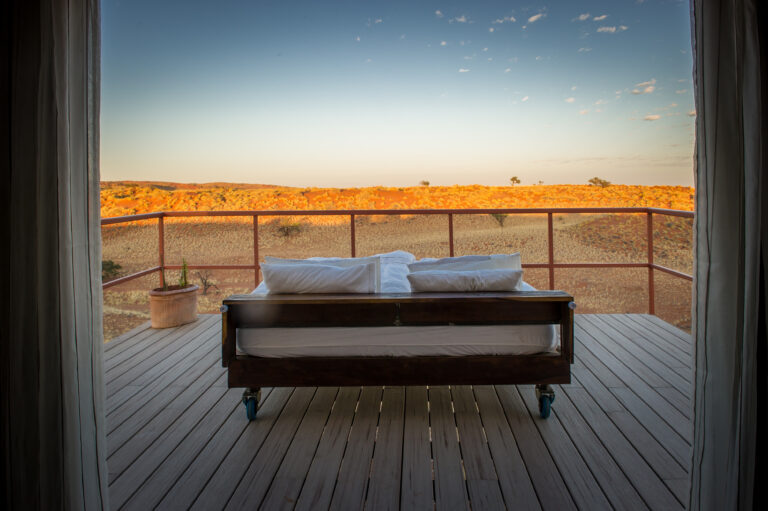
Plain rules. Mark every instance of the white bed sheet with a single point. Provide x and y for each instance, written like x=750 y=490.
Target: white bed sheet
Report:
x=399 y=341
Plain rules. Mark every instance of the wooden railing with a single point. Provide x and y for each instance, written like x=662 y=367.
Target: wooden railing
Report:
x=550 y=265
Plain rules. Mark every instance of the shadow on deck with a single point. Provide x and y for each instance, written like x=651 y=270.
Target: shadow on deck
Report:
x=619 y=435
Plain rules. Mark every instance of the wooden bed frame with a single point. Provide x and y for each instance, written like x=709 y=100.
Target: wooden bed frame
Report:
x=413 y=309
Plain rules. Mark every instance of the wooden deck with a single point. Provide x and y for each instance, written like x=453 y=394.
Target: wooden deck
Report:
x=619 y=435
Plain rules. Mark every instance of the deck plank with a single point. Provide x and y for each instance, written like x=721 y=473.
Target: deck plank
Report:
x=649 y=333
x=321 y=478
x=255 y=483
x=601 y=442
x=482 y=481
x=196 y=474
x=154 y=489
x=636 y=382
x=581 y=482
x=386 y=467
x=141 y=467
x=222 y=484
x=450 y=488
x=619 y=436
x=515 y=483
x=285 y=487
x=417 y=491
x=546 y=477
x=352 y=482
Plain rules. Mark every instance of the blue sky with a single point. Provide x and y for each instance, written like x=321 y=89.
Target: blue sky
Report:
x=357 y=93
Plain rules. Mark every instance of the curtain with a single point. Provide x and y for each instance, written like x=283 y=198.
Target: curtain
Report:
x=51 y=408
x=730 y=254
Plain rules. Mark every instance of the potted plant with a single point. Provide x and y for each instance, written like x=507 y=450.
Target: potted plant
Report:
x=173 y=305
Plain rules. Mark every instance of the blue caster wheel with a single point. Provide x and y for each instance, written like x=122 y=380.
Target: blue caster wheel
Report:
x=251 y=406
x=251 y=399
x=546 y=397
x=545 y=406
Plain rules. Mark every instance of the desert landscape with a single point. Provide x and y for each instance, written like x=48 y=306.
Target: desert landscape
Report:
x=589 y=238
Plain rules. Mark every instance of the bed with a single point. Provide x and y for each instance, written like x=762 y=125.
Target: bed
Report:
x=397 y=337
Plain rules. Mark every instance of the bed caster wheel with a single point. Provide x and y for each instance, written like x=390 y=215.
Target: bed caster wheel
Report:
x=546 y=396
x=251 y=399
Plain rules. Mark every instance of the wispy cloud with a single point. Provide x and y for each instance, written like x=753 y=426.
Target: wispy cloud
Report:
x=583 y=50
x=612 y=30
x=377 y=21
x=536 y=17
x=485 y=49
x=505 y=19
x=582 y=17
x=644 y=87
x=463 y=70
x=491 y=29
x=525 y=98
x=443 y=43
x=583 y=112
x=509 y=69
x=600 y=18
x=459 y=19
x=357 y=39
x=439 y=13
x=652 y=117
x=570 y=100
x=681 y=91
x=692 y=113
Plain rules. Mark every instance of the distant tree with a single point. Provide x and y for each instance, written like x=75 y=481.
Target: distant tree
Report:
x=514 y=180
x=110 y=269
x=602 y=183
x=424 y=182
x=500 y=218
x=540 y=182
x=206 y=281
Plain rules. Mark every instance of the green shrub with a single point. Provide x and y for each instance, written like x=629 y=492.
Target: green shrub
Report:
x=500 y=218
x=289 y=229
x=110 y=269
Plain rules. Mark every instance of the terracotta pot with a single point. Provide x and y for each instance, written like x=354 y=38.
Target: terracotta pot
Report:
x=174 y=307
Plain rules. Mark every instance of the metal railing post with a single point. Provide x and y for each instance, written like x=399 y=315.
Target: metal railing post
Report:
x=651 y=290
x=352 y=234
x=256 y=278
x=161 y=248
x=450 y=234
x=551 y=250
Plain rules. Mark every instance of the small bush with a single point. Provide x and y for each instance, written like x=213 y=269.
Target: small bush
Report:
x=500 y=218
x=602 y=183
x=424 y=182
x=288 y=230
x=110 y=269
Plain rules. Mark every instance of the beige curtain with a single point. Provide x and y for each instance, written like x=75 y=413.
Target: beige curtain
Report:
x=730 y=254
x=52 y=417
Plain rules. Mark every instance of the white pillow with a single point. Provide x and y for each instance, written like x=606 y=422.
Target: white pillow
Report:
x=463 y=281
x=340 y=262
x=470 y=262
x=318 y=278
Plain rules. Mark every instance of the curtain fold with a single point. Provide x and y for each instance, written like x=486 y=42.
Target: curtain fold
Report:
x=730 y=224
x=52 y=408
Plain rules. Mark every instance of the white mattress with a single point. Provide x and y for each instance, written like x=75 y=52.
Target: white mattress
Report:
x=398 y=341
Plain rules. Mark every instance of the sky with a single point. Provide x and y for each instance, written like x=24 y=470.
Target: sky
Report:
x=364 y=93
